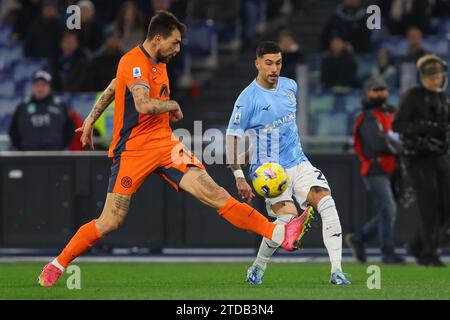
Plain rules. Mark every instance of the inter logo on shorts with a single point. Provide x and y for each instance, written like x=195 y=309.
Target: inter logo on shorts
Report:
x=126 y=182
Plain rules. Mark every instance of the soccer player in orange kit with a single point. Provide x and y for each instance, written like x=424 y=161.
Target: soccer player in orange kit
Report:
x=143 y=143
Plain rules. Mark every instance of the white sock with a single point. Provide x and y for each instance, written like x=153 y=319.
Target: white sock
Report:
x=331 y=231
x=268 y=247
x=58 y=265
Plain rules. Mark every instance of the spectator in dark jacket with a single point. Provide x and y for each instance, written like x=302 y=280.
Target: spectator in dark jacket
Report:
x=24 y=16
x=415 y=49
x=423 y=122
x=403 y=14
x=41 y=122
x=292 y=56
x=104 y=66
x=71 y=66
x=44 y=34
x=349 y=22
x=377 y=149
x=90 y=36
x=339 y=68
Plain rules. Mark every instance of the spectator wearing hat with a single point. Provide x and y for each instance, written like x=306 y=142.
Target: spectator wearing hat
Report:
x=41 y=122
x=377 y=149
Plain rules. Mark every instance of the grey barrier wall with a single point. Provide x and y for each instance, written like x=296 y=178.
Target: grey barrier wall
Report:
x=45 y=198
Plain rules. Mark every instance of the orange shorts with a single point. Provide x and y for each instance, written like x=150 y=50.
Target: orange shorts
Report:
x=131 y=168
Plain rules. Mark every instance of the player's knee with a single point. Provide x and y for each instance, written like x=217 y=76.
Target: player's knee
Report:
x=316 y=194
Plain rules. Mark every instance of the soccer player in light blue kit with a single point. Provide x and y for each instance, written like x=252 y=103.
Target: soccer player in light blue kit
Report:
x=265 y=111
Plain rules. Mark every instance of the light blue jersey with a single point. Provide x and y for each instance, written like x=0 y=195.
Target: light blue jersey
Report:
x=269 y=118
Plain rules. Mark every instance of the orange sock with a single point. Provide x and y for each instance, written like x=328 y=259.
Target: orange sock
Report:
x=83 y=240
x=244 y=217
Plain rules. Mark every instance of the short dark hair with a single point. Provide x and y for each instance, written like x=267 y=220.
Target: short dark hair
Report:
x=267 y=47
x=163 y=23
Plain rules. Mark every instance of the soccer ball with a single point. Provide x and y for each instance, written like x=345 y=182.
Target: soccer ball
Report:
x=270 y=180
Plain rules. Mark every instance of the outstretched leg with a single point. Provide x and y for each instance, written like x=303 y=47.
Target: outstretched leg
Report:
x=113 y=215
x=197 y=182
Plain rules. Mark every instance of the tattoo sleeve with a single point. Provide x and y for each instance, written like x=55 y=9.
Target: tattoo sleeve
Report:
x=206 y=181
x=104 y=101
x=121 y=205
x=145 y=104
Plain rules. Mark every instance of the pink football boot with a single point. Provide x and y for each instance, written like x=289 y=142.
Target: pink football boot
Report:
x=49 y=275
x=295 y=230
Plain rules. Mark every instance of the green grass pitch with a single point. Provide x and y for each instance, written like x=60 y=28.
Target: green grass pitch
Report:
x=217 y=281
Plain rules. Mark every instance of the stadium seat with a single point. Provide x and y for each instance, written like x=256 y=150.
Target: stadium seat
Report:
x=396 y=45
x=321 y=102
x=23 y=87
x=332 y=124
x=394 y=98
x=10 y=53
x=82 y=103
x=436 y=44
x=7 y=87
x=366 y=63
x=443 y=26
x=7 y=107
x=63 y=96
x=314 y=62
x=352 y=100
x=199 y=38
x=5 y=32
x=201 y=45
x=24 y=69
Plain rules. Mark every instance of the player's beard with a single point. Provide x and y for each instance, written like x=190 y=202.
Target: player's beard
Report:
x=162 y=58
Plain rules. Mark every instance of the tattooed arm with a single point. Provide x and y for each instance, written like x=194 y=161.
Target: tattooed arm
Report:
x=103 y=102
x=146 y=105
x=99 y=107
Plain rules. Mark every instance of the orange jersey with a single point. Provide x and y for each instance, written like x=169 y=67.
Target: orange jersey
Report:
x=132 y=130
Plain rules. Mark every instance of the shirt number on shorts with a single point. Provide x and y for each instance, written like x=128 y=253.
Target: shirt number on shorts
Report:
x=320 y=176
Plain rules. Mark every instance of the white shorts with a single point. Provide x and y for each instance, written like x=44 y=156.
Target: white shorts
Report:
x=301 y=178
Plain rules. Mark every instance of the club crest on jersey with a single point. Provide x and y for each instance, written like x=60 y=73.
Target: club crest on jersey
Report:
x=237 y=119
x=136 y=72
x=290 y=96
